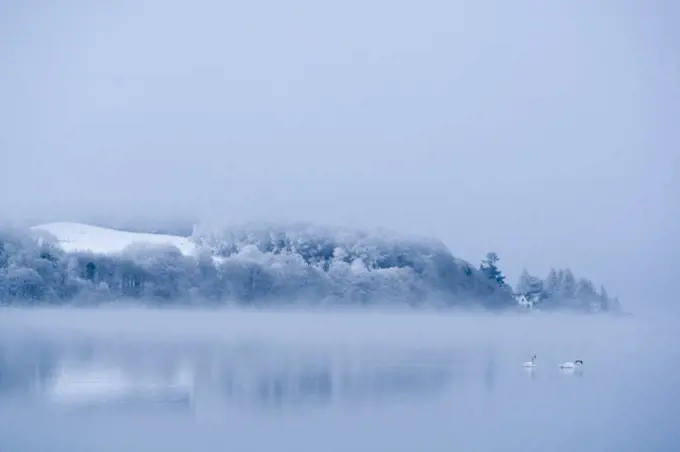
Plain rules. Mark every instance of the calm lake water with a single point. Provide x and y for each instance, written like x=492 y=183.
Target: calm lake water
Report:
x=144 y=380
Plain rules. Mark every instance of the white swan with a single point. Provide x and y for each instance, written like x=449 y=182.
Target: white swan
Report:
x=572 y=365
x=530 y=363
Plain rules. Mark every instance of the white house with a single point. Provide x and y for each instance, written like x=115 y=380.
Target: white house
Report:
x=526 y=301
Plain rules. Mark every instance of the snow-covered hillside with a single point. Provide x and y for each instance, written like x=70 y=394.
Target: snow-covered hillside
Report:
x=255 y=264
x=247 y=264
x=84 y=237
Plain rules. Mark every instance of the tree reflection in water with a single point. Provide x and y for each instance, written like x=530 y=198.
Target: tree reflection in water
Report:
x=105 y=374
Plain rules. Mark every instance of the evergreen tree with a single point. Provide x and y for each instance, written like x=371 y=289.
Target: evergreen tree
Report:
x=604 y=299
x=585 y=293
x=490 y=269
x=535 y=286
x=550 y=287
x=567 y=288
x=529 y=285
x=523 y=282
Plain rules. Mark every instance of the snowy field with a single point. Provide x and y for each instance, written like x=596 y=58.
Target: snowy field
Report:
x=171 y=380
x=85 y=237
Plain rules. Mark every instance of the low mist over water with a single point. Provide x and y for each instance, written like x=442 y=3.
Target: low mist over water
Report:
x=134 y=379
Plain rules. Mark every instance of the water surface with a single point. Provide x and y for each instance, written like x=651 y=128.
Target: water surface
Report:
x=144 y=380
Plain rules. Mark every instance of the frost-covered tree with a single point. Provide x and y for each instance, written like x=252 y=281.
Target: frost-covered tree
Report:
x=265 y=264
x=551 y=284
x=31 y=268
x=24 y=283
x=562 y=291
x=529 y=285
x=159 y=271
x=615 y=306
x=585 y=294
x=344 y=257
x=567 y=289
x=604 y=299
x=523 y=282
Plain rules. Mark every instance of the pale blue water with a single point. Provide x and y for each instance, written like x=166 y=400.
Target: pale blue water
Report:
x=176 y=381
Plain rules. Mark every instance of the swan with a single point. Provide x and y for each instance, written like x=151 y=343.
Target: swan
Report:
x=530 y=363
x=572 y=365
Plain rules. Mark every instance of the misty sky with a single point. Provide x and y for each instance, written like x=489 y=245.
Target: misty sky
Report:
x=546 y=131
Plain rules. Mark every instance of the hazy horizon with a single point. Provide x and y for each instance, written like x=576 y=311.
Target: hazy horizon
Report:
x=543 y=132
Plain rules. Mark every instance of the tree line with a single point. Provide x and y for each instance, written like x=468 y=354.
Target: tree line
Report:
x=271 y=267
x=559 y=290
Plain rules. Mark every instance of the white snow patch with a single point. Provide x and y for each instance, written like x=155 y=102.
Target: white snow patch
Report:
x=84 y=237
